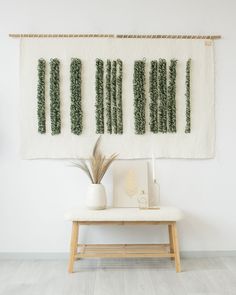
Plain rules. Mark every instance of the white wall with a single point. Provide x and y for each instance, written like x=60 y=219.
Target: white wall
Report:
x=35 y=194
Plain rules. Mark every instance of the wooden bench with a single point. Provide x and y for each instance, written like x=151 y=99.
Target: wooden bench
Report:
x=124 y=216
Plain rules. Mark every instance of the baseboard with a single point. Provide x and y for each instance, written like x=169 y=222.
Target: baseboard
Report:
x=34 y=255
x=64 y=255
x=199 y=254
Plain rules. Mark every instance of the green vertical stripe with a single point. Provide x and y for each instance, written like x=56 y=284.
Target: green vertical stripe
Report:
x=76 y=113
x=108 y=97
x=139 y=97
x=41 y=96
x=119 y=97
x=113 y=94
x=171 y=102
x=99 y=105
x=188 y=97
x=162 y=90
x=55 y=96
x=153 y=92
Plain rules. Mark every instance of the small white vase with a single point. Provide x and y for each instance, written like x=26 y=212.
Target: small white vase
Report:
x=96 y=197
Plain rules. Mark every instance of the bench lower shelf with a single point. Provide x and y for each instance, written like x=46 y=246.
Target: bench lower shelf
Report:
x=123 y=250
x=170 y=250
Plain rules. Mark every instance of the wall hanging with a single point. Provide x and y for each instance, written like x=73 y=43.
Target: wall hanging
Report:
x=149 y=97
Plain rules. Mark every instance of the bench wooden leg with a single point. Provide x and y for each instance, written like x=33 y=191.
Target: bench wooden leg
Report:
x=73 y=245
x=176 y=247
x=171 y=240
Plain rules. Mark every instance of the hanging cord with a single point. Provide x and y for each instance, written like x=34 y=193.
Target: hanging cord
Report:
x=209 y=37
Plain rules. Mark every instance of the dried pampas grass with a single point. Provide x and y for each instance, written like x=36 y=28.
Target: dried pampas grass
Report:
x=97 y=165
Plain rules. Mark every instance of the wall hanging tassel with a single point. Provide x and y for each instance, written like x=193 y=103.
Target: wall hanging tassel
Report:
x=171 y=101
x=41 y=96
x=108 y=97
x=188 y=97
x=99 y=105
x=162 y=91
x=55 y=96
x=139 y=97
x=113 y=95
x=119 y=97
x=76 y=113
x=153 y=92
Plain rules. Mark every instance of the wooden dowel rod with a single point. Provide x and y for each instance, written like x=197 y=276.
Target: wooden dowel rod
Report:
x=211 y=37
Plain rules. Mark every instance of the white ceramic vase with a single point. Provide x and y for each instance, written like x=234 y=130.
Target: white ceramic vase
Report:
x=96 y=197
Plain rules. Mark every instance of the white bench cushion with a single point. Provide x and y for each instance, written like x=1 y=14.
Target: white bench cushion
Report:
x=125 y=214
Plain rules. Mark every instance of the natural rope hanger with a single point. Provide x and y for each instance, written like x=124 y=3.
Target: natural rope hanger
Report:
x=209 y=37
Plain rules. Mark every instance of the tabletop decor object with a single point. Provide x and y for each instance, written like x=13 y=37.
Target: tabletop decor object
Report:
x=155 y=187
x=95 y=168
x=130 y=184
